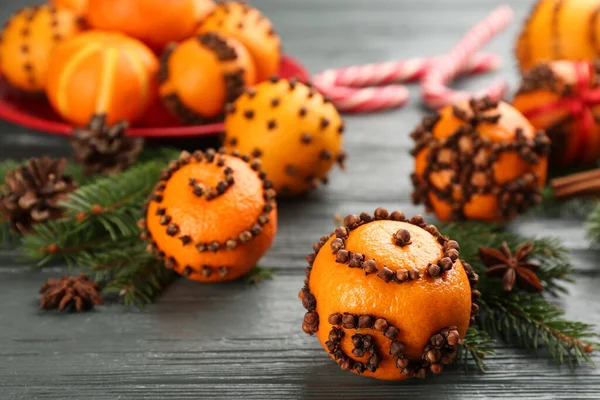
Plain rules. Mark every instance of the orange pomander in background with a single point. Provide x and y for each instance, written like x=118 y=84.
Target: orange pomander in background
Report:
x=252 y=29
x=27 y=41
x=79 y=6
x=563 y=98
x=388 y=297
x=560 y=30
x=292 y=128
x=480 y=160
x=212 y=216
x=155 y=22
x=201 y=74
x=101 y=73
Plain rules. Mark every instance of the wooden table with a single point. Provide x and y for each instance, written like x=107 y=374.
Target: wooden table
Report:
x=238 y=341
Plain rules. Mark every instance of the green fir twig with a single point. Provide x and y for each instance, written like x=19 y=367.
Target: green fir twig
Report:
x=529 y=321
x=477 y=345
x=258 y=274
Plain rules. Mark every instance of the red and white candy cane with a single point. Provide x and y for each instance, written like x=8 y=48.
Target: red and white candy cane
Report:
x=358 y=88
x=371 y=87
x=435 y=92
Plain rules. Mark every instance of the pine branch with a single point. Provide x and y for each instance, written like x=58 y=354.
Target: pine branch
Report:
x=258 y=274
x=574 y=208
x=114 y=202
x=529 y=321
x=136 y=276
x=477 y=344
x=593 y=225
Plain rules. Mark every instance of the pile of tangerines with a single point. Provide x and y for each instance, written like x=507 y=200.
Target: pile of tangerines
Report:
x=122 y=57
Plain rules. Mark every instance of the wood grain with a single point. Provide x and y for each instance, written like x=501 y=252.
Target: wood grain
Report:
x=237 y=341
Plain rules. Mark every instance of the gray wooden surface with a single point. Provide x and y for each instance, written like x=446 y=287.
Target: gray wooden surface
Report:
x=235 y=341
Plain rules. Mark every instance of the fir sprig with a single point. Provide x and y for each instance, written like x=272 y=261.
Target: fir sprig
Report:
x=529 y=321
x=99 y=233
x=524 y=319
x=477 y=345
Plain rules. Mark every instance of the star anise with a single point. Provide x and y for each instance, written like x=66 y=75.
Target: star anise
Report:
x=512 y=267
x=77 y=293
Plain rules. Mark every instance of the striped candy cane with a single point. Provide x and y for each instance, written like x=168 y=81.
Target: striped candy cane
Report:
x=374 y=87
x=435 y=92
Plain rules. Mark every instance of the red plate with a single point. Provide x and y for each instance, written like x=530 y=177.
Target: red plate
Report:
x=34 y=111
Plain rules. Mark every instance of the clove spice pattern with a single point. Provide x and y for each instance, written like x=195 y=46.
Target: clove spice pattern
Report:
x=196 y=187
x=441 y=348
x=471 y=159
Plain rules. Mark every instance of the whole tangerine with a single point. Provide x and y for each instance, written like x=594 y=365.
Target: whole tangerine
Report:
x=562 y=98
x=292 y=128
x=154 y=22
x=212 y=216
x=99 y=73
x=252 y=29
x=201 y=74
x=388 y=297
x=479 y=160
x=79 y=6
x=559 y=30
x=28 y=39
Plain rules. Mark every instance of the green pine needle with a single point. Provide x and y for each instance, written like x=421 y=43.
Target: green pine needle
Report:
x=529 y=321
x=477 y=345
x=258 y=274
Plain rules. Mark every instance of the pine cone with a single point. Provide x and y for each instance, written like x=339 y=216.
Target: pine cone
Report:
x=33 y=192
x=76 y=293
x=104 y=148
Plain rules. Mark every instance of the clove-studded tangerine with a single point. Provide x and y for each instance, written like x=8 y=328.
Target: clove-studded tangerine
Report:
x=27 y=40
x=246 y=24
x=201 y=74
x=389 y=297
x=154 y=22
x=563 y=99
x=211 y=216
x=292 y=128
x=559 y=30
x=479 y=160
x=98 y=73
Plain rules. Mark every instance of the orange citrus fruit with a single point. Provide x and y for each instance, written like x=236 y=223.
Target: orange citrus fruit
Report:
x=389 y=297
x=252 y=29
x=479 y=160
x=201 y=74
x=28 y=39
x=99 y=73
x=212 y=216
x=559 y=30
x=154 y=22
x=557 y=97
x=294 y=130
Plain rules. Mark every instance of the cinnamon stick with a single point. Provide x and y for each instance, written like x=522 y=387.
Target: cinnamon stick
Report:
x=585 y=183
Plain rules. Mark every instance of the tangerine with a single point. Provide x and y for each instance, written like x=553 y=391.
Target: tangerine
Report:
x=28 y=39
x=201 y=74
x=99 y=73
x=212 y=216
x=559 y=30
x=388 y=297
x=294 y=130
x=154 y=22
x=252 y=29
x=479 y=160
x=562 y=98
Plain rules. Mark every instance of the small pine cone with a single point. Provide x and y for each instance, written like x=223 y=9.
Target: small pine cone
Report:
x=33 y=193
x=105 y=148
